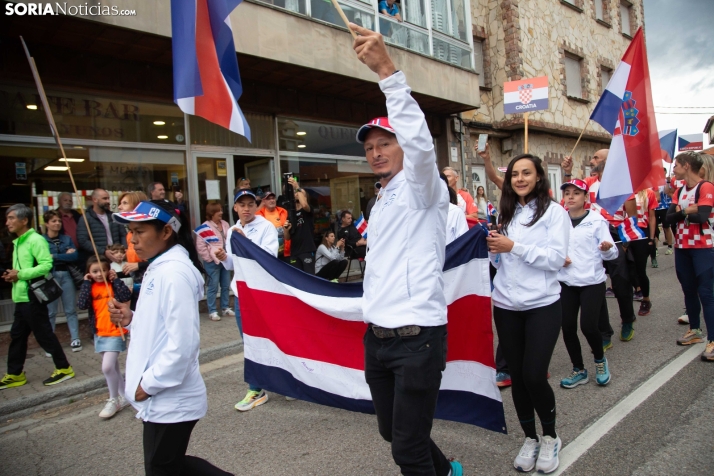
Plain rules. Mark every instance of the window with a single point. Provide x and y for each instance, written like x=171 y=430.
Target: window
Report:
x=605 y=75
x=599 y=11
x=554 y=177
x=625 y=19
x=478 y=57
x=573 y=82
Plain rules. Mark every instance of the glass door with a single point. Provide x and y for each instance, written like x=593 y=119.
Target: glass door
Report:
x=213 y=182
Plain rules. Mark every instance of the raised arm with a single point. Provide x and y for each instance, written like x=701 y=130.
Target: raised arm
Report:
x=491 y=171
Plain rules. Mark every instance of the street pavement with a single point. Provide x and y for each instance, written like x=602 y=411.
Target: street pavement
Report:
x=668 y=434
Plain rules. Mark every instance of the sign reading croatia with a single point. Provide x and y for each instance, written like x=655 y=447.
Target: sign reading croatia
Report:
x=526 y=95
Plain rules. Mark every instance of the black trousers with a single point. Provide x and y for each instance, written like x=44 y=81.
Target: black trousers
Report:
x=32 y=317
x=165 y=451
x=588 y=301
x=640 y=252
x=303 y=261
x=622 y=287
x=527 y=340
x=501 y=364
x=333 y=269
x=404 y=375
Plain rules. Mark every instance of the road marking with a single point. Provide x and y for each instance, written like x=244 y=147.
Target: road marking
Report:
x=580 y=445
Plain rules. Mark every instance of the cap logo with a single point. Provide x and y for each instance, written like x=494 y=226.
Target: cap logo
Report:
x=154 y=212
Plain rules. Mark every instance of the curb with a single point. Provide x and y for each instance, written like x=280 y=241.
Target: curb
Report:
x=71 y=392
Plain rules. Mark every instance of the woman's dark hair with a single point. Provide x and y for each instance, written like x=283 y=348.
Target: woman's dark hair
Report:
x=50 y=214
x=692 y=158
x=325 y=235
x=452 y=193
x=540 y=193
x=93 y=260
x=184 y=237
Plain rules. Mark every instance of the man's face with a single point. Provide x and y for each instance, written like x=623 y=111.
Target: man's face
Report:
x=147 y=240
x=384 y=154
x=452 y=178
x=346 y=219
x=65 y=202
x=14 y=224
x=598 y=157
x=246 y=207
x=271 y=202
x=101 y=199
x=159 y=192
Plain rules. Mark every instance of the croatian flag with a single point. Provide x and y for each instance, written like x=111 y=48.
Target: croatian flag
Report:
x=361 y=226
x=206 y=78
x=626 y=111
x=668 y=144
x=314 y=351
x=629 y=231
x=691 y=142
x=207 y=234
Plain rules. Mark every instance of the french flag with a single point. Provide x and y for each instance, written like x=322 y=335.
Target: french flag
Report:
x=668 y=144
x=303 y=335
x=626 y=111
x=207 y=234
x=206 y=77
x=629 y=231
x=361 y=226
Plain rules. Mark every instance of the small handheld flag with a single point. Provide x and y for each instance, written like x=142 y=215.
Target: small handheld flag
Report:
x=491 y=209
x=207 y=234
x=629 y=231
x=361 y=226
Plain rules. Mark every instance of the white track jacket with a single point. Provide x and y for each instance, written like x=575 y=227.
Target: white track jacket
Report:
x=586 y=268
x=165 y=341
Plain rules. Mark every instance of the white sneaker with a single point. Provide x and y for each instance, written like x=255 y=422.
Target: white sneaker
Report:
x=526 y=459
x=683 y=319
x=122 y=402
x=214 y=316
x=228 y=312
x=548 y=460
x=110 y=409
x=76 y=345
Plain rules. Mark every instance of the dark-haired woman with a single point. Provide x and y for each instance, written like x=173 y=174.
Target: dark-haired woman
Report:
x=330 y=259
x=528 y=252
x=163 y=381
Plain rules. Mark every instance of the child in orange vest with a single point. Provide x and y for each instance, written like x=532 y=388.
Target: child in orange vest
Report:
x=95 y=296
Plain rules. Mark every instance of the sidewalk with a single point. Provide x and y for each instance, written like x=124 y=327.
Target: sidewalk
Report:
x=218 y=339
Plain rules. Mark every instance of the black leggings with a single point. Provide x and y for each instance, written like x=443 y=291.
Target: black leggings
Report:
x=527 y=339
x=588 y=300
x=641 y=251
x=333 y=269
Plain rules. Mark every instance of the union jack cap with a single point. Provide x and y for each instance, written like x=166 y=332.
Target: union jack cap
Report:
x=577 y=183
x=146 y=211
x=379 y=122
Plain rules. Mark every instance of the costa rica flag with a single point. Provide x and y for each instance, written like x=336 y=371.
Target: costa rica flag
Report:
x=206 y=78
x=361 y=226
x=629 y=231
x=207 y=234
x=491 y=209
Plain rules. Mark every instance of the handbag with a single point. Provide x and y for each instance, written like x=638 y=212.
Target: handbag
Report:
x=45 y=289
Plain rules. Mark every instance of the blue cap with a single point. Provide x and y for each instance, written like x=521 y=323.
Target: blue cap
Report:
x=146 y=211
x=243 y=193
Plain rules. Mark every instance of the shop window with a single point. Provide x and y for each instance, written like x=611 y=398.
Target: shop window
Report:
x=204 y=132
x=318 y=138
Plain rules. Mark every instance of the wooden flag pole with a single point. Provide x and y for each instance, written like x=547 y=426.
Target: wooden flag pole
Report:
x=579 y=137
x=55 y=133
x=525 y=115
x=344 y=18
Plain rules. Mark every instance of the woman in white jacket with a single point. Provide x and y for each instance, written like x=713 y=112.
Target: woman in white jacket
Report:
x=528 y=252
x=163 y=381
x=582 y=282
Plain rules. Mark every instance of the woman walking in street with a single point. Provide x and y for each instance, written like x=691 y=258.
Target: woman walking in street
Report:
x=582 y=282
x=528 y=252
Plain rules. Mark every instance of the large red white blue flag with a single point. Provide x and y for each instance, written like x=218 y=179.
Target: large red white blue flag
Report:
x=303 y=335
x=206 y=78
x=626 y=111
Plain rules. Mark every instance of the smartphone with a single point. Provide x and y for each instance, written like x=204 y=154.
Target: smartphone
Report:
x=482 y=138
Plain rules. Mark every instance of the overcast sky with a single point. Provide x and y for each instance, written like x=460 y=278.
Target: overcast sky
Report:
x=679 y=39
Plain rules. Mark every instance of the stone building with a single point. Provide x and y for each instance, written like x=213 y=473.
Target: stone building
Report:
x=576 y=44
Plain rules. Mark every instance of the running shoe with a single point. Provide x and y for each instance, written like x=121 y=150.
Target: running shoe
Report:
x=110 y=408
x=59 y=375
x=9 y=381
x=683 y=319
x=577 y=377
x=708 y=354
x=76 y=345
x=645 y=308
x=602 y=372
x=503 y=379
x=609 y=293
x=252 y=399
x=228 y=312
x=637 y=296
x=526 y=459
x=627 y=332
x=290 y=399
x=214 y=316
x=548 y=460
x=123 y=402
x=654 y=263
x=692 y=336
x=456 y=468
x=606 y=344
x=669 y=251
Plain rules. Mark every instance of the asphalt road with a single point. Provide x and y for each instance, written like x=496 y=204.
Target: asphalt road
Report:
x=668 y=434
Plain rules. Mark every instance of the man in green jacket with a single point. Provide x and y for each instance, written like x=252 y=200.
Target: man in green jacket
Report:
x=31 y=259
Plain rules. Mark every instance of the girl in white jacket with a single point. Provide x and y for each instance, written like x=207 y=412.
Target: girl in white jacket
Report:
x=582 y=282
x=163 y=381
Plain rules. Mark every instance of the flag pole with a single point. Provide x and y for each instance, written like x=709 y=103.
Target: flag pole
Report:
x=344 y=18
x=579 y=137
x=525 y=115
x=55 y=133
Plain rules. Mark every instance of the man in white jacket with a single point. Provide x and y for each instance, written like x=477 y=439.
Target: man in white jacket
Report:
x=404 y=302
